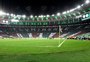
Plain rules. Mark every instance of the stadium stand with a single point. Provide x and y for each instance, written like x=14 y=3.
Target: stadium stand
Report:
x=73 y=24
x=68 y=31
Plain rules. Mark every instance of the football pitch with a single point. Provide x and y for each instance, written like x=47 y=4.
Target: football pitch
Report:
x=44 y=50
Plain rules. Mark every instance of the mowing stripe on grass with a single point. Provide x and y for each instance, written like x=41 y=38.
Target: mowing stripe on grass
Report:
x=61 y=43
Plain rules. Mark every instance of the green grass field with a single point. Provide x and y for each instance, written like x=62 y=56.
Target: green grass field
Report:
x=44 y=50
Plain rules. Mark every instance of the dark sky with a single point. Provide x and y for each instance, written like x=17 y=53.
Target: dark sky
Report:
x=37 y=7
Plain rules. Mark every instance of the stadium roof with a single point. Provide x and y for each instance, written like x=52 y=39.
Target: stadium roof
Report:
x=78 y=8
x=38 y=7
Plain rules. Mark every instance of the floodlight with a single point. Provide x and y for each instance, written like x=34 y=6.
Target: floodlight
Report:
x=12 y=15
x=82 y=5
x=87 y=15
x=64 y=12
x=84 y=16
x=7 y=14
x=48 y=15
x=78 y=7
x=87 y=1
x=4 y=21
x=24 y=16
x=72 y=10
x=53 y=15
x=41 y=15
x=7 y=22
x=13 y=20
x=35 y=16
x=18 y=15
x=31 y=16
x=58 y=14
x=68 y=11
x=2 y=13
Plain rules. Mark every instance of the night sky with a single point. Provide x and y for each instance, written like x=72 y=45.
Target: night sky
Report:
x=38 y=7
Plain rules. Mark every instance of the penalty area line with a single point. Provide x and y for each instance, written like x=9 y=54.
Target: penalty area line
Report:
x=61 y=43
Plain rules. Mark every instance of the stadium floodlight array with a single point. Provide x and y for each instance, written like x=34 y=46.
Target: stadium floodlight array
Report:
x=71 y=10
x=70 y=13
x=78 y=7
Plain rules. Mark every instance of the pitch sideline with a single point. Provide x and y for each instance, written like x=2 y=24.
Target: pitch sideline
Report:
x=61 y=43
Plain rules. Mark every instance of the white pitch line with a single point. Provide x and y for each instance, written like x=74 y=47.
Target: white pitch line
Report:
x=46 y=46
x=61 y=43
x=43 y=46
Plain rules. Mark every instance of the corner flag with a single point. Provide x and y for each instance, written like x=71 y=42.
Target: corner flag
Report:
x=60 y=28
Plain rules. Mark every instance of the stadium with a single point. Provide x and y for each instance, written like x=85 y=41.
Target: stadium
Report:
x=58 y=37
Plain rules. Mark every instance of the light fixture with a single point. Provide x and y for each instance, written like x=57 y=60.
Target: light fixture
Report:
x=68 y=11
x=24 y=16
x=2 y=13
x=72 y=10
x=78 y=7
x=84 y=16
x=31 y=16
x=53 y=15
x=18 y=16
x=12 y=15
x=13 y=20
x=48 y=15
x=64 y=12
x=7 y=14
x=87 y=1
x=87 y=15
x=4 y=21
x=82 y=5
x=58 y=14
x=41 y=15
x=35 y=16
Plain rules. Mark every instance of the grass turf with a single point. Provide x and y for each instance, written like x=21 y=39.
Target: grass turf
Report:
x=44 y=50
